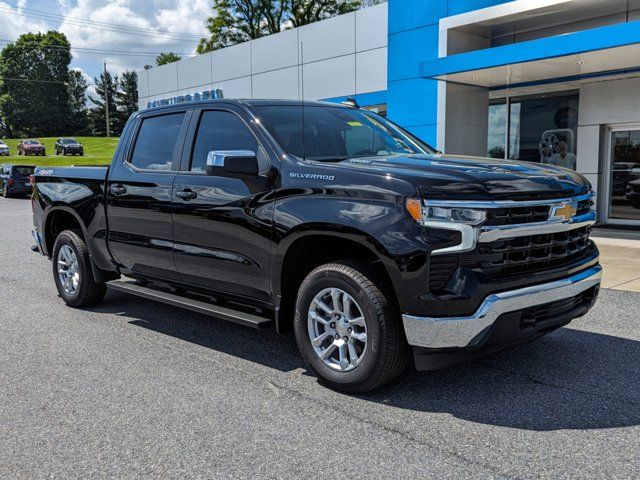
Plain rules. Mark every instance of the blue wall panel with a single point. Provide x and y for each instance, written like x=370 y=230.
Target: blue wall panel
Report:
x=456 y=7
x=406 y=47
x=409 y=14
x=413 y=102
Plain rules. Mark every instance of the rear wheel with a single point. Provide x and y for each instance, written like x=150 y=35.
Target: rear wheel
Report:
x=348 y=329
x=5 y=191
x=72 y=271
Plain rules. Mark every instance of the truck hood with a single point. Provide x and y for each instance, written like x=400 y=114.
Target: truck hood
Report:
x=449 y=176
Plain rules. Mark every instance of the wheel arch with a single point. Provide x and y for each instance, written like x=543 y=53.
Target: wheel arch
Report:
x=292 y=262
x=60 y=218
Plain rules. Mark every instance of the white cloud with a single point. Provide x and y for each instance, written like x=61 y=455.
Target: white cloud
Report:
x=178 y=16
x=12 y=25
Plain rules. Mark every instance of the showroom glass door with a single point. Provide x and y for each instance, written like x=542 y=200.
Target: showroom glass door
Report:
x=623 y=176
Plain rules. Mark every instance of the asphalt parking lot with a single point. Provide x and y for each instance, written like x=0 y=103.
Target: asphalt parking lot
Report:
x=136 y=389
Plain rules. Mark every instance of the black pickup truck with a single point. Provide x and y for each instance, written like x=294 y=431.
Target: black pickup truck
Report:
x=330 y=220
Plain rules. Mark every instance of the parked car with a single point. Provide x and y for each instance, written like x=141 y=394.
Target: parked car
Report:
x=623 y=173
x=70 y=146
x=4 y=148
x=14 y=179
x=335 y=222
x=31 y=147
x=633 y=193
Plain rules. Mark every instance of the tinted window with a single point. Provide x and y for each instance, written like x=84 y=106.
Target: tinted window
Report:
x=156 y=142
x=23 y=170
x=220 y=130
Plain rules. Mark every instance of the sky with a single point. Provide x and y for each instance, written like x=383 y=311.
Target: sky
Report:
x=114 y=31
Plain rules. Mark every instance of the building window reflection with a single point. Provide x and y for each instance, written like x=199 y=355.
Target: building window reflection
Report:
x=624 y=196
x=542 y=128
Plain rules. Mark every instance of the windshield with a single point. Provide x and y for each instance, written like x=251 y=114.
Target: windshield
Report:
x=67 y=141
x=31 y=142
x=336 y=133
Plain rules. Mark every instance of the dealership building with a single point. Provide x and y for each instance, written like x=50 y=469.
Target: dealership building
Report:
x=551 y=81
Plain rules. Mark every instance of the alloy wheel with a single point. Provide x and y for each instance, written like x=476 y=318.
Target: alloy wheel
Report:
x=337 y=329
x=68 y=270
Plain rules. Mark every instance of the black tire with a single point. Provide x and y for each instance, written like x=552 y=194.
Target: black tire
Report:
x=5 y=191
x=89 y=292
x=387 y=351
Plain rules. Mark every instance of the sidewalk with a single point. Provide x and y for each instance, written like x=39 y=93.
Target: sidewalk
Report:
x=620 y=259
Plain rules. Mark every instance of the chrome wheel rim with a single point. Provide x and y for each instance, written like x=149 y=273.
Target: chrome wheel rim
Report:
x=68 y=270
x=337 y=329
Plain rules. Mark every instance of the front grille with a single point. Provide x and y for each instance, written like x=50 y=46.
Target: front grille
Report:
x=514 y=215
x=515 y=256
x=530 y=214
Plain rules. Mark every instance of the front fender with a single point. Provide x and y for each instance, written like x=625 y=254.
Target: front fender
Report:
x=383 y=227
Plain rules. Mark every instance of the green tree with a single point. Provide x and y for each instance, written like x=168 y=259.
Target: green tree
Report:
x=236 y=21
x=106 y=88
x=34 y=95
x=127 y=97
x=303 y=12
x=165 y=58
x=78 y=102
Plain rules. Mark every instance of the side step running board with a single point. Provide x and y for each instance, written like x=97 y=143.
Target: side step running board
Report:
x=190 y=304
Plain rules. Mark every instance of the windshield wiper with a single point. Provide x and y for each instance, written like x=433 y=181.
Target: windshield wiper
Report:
x=329 y=158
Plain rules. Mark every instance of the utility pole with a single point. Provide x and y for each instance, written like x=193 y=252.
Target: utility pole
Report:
x=106 y=96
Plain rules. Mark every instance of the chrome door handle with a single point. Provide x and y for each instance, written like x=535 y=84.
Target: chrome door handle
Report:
x=117 y=190
x=186 y=194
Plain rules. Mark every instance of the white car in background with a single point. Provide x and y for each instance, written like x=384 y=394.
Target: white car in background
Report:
x=4 y=148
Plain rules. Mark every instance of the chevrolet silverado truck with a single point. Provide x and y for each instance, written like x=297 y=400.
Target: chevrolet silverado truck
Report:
x=329 y=220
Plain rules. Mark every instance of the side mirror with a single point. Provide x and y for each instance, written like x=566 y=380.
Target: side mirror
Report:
x=239 y=162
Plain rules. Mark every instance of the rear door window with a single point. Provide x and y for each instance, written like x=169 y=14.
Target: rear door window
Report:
x=156 y=142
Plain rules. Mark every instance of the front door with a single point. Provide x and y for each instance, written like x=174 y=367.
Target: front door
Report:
x=139 y=193
x=623 y=177
x=222 y=226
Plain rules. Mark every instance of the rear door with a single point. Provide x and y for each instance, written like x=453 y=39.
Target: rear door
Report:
x=222 y=228
x=139 y=193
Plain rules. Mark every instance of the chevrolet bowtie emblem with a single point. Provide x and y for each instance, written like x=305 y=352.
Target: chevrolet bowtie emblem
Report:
x=566 y=211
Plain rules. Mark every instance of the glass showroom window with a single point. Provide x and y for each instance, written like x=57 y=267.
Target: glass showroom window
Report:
x=542 y=128
x=624 y=175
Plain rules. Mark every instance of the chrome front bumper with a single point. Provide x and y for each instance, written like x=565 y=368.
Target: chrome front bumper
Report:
x=452 y=332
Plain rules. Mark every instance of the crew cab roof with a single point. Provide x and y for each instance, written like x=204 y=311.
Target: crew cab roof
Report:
x=247 y=103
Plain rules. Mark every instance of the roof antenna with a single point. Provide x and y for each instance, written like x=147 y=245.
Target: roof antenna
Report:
x=350 y=102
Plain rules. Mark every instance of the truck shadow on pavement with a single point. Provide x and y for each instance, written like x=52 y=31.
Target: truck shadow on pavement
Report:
x=570 y=379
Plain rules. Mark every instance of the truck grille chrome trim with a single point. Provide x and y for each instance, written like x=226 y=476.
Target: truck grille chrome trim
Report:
x=460 y=332
x=555 y=223
x=488 y=204
x=491 y=234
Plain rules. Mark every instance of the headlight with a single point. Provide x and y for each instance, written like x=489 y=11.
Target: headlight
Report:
x=468 y=216
x=427 y=214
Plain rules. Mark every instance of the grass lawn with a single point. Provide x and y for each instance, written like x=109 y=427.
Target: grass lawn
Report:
x=97 y=151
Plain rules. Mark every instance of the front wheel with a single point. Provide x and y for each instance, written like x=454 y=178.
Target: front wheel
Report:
x=348 y=329
x=72 y=271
